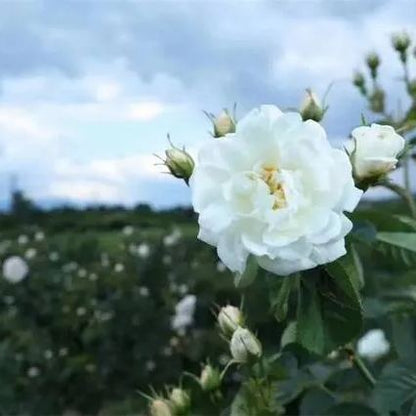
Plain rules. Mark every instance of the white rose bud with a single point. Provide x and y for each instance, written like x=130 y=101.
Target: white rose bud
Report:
x=244 y=345
x=159 y=407
x=179 y=163
x=374 y=150
x=179 y=400
x=223 y=124
x=229 y=319
x=15 y=269
x=311 y=108
x=210 y=378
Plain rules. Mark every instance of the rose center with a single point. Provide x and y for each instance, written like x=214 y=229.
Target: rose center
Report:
x=270 y=175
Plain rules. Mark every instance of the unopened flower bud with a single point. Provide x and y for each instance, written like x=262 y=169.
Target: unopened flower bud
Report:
x=159 y=407
x=373 y=62
x=400 y=41
x=180 y=401
x=359 y=81
x=229 y=319
x=210 y=378
x=374 y=151
x=223 y=124
x=244 y=345
x=179 y=162
x=377 y=101
x=311 y=108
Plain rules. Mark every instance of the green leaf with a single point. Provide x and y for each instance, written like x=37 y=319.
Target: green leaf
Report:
x=406 y=241
x=289 y=334
x=329 y=308
x=279 y=299
x=250 y=273
x=310 y=326
x=399 y=247
x=349 y=409
x=315 y=402
x=396 y=386
x=404 y=338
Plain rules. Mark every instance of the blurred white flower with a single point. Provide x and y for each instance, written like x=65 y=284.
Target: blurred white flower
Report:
x=144 y=291
x=15 y=269
x=93 y=277
x=374 y=150
x=30 y=253
x=22 y=239
x=54 y=256
x=221 y=267
x=105 y=261
x=63 y=352
x=33 y=372
x=82 y=273
x=81 y=311
x=143 y=250
x=184 y=313
x=48 y=354
x=167 y=259
x=39 y=236
x=275 y=189
x=119 y=267
x=167 y=351
x=150 y=365
x=128 y=230
x=172 y=238
x=90 y=368
x=373 y=345
x=70 y=267
x=183 y=289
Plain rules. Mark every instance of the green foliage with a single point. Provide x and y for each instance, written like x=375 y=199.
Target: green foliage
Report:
x=329 y=307
x=395 y=387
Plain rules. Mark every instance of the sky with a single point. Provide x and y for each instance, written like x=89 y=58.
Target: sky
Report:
x=89 y=89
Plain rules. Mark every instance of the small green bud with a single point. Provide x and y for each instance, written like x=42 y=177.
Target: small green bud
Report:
x=373 y=62
x=223 y=124
x=400 y=42
x=377 y=101
x=179 y=162
x=159 y=407
x=311 y=108
x=180 y=401
x=358 y=79
x=229 y=319
x=210 y=378
x=244 y=345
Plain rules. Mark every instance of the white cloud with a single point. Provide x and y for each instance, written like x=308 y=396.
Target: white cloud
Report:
x=144 y=111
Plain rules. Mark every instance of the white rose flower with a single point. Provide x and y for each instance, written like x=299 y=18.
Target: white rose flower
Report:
x=374 y=150
x=184 y=313
x=15 y=269
x=373 y=345
x=244 y=345
x=275 y=189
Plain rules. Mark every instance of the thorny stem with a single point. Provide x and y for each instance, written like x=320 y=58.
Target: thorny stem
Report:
x=360 y=366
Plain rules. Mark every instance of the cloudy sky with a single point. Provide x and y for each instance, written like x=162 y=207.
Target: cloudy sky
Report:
x=89 y=89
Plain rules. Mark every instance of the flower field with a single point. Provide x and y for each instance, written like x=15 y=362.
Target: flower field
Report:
x=130 y=303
